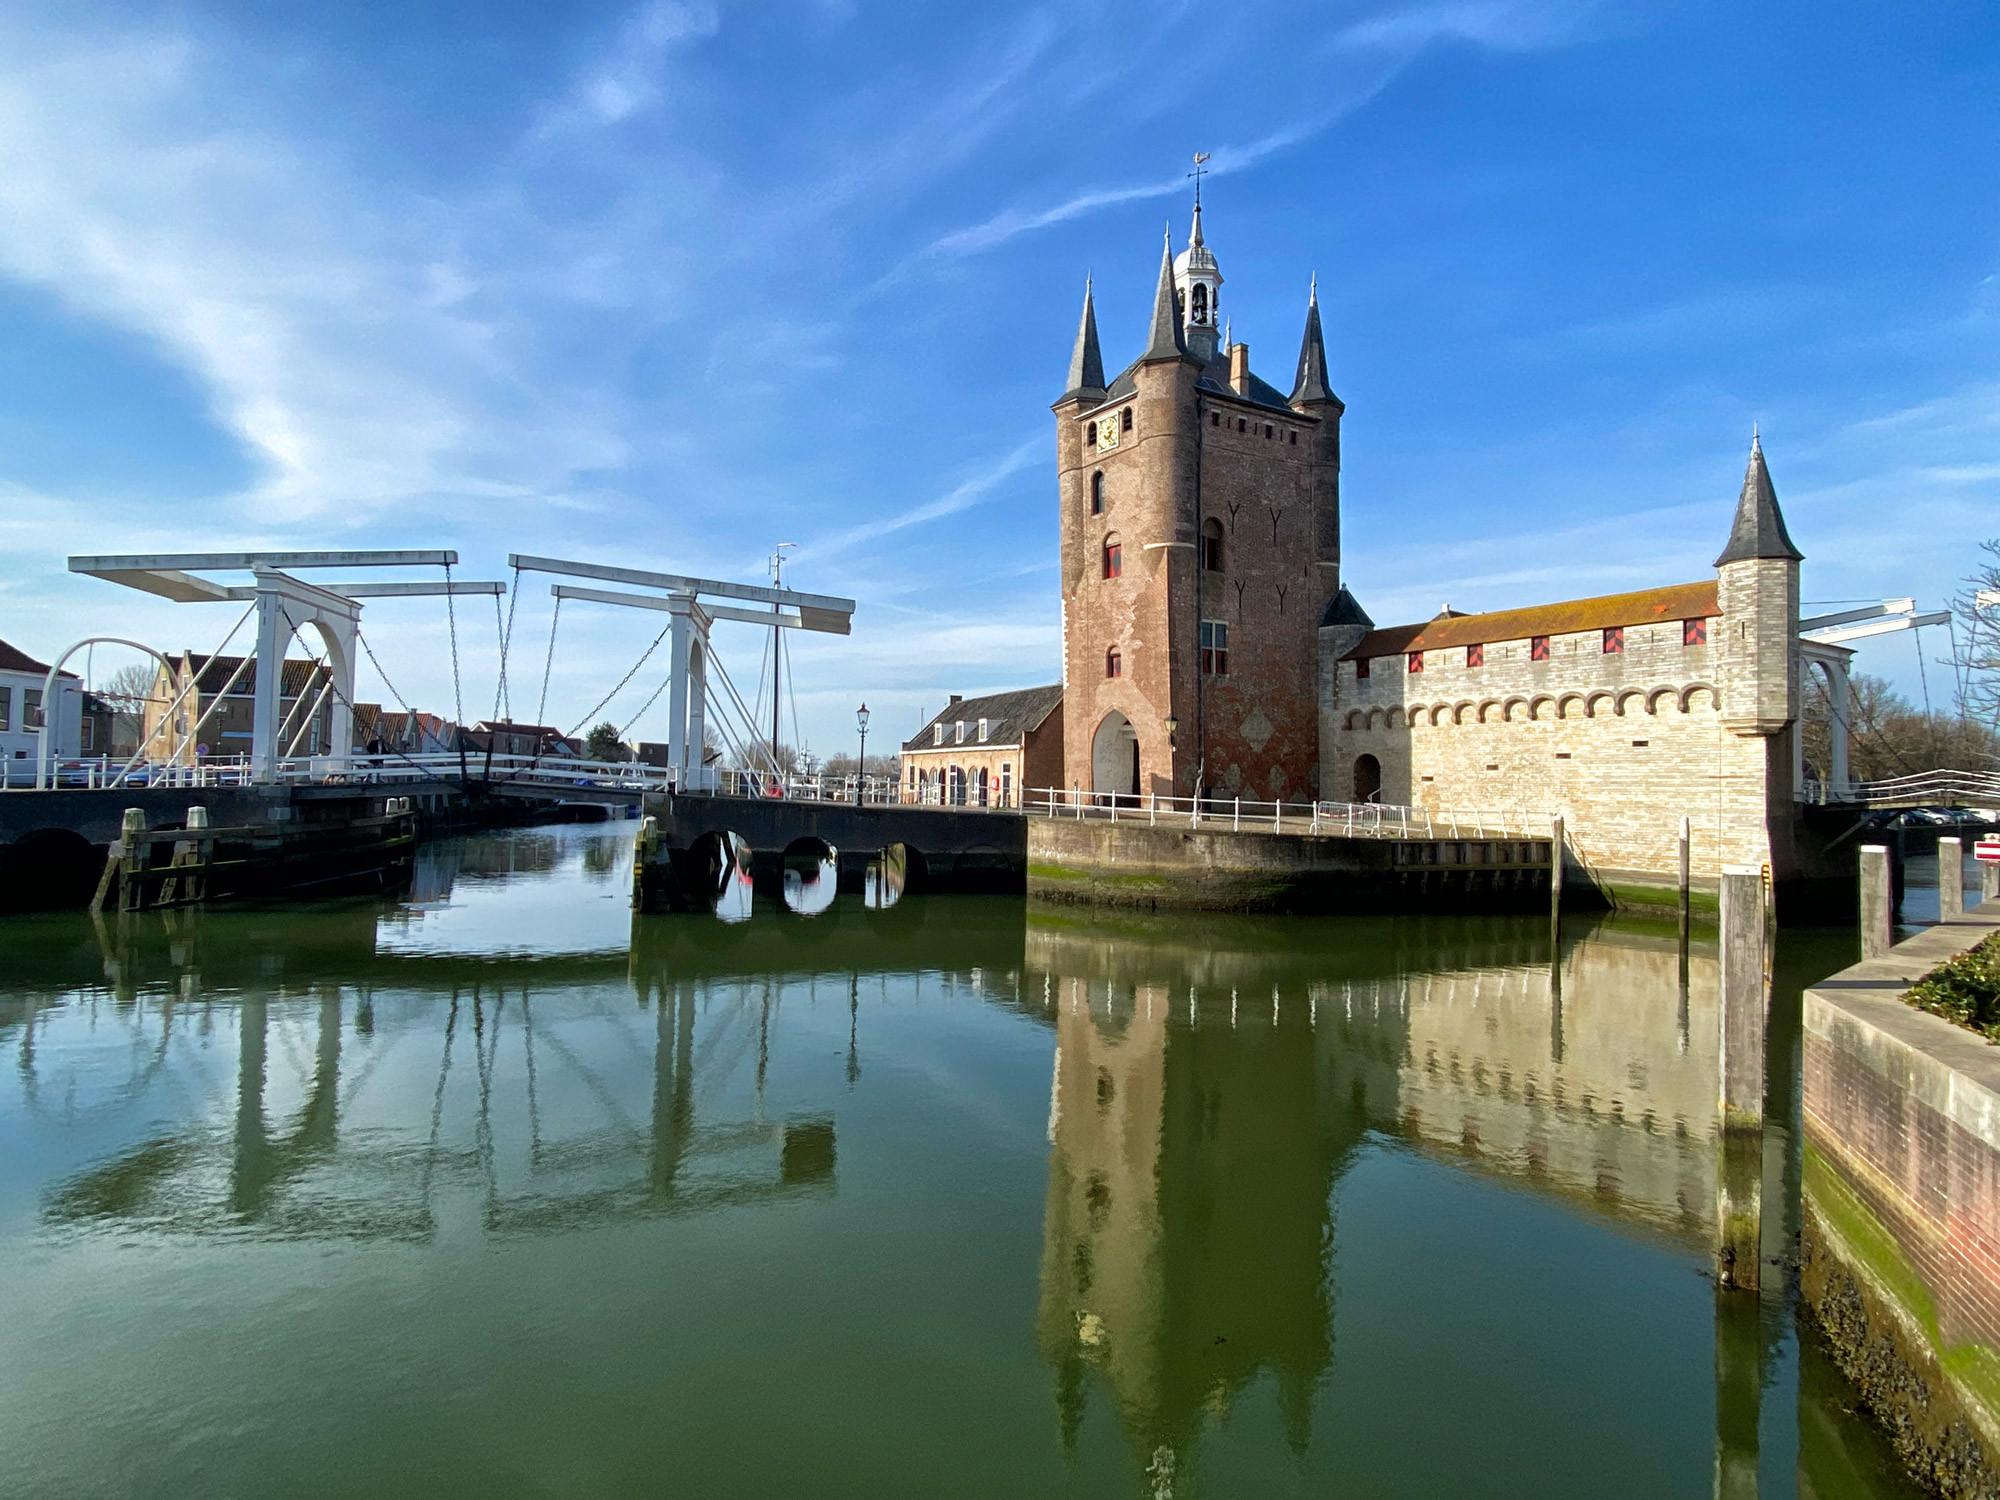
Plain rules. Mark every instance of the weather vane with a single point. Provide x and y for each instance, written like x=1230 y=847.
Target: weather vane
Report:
x=1201 y=170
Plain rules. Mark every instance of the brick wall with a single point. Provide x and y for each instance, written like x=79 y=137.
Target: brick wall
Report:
x=1902 y=1179
x=1270 y=480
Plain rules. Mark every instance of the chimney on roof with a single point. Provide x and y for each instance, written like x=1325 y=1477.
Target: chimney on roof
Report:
x=1239 y=369
x=956 y=699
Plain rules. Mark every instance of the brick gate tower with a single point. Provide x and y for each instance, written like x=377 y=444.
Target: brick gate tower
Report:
x=1200 y=530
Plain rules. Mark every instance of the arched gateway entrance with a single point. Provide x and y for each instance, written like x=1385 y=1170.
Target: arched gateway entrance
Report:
x=1114 y=757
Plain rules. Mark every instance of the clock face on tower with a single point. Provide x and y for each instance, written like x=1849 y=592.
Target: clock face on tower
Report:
x=1107 y=435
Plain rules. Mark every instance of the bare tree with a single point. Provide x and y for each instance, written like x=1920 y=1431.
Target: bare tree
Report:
x=1977 y=642
x=1888 y=736
x=129 y=689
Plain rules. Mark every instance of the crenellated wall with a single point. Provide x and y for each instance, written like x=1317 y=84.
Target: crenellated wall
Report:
x=1622 y=744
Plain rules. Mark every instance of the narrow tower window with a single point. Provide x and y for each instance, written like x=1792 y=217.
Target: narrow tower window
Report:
x=1214 y=648
x=1090 y=436
x=1125 y=420
x=1211 y=545
x=1111 y=556
x=1097 y=493
x=1114 y=664
x=1200 y=303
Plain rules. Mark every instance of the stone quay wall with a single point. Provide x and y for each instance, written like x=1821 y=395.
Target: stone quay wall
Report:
x=1622 y=744
x=1901 y=1221
x=1129 y=862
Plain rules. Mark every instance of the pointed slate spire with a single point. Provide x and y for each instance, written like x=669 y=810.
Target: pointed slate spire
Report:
x=1086 y=364
x=1759 y=530
x=1164 y=339
x=1310 y=383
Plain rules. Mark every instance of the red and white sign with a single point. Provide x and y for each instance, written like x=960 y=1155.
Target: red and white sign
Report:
x=1987 y=851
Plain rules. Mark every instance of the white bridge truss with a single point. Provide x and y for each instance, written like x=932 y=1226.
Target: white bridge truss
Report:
x=282 y=604
x=694 y=673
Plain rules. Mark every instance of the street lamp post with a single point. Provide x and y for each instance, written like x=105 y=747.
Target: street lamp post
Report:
x=861 y=764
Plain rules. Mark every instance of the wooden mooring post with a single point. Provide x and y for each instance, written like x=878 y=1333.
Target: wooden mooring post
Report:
x=1878 y=902
x=1687 y=831
x=129 y=830
x=1740 y=1058
x=1951 y=880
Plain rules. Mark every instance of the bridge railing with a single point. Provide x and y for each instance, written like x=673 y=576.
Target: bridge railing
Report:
x=105 y=772
x=1928 y=788
x=1244 y=814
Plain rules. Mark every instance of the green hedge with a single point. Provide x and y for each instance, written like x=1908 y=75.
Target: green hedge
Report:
x=1965 y=990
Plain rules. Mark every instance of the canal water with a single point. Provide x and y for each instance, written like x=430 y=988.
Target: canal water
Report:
x=492 y=1190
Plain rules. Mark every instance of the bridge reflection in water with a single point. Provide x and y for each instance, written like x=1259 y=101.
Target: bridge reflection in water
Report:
x=1229 y=1237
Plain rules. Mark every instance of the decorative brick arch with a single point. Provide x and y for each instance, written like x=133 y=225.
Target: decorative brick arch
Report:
x=1397 y=719
x=1625 y=697
x=1490 y=703
x=1595 y=702
x=1355 y=719
x=1688 y=692
x=1568 y=701
x=1507 y=709
x=1541 y=701
x=1458 y=710
x=1671 y=694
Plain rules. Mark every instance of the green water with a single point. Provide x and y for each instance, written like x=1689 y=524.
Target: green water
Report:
x=492 y=1192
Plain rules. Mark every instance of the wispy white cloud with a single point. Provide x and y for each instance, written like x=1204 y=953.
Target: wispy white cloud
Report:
x=962 y=496
x=339 y=333
x=1378 y=47
x=627 y=78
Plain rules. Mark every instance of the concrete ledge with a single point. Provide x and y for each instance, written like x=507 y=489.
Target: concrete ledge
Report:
x=1863 y=1009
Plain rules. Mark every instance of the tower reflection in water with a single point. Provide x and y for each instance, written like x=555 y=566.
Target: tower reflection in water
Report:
x=1209 y=1092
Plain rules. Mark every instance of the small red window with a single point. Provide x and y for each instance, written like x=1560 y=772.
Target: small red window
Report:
x=1416 y=661
x=1112 y=553
x=1694 y=632
x=1538 y=648
x=1114 y=664
x=1475 y=656
x=1360 y=668
x=1614 y=639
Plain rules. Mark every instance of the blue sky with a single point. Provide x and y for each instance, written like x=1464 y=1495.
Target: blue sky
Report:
x=663 y=284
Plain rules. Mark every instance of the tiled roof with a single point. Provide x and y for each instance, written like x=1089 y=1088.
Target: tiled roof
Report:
x=214 y=671
x=1677 y=601
x=13 y=659
x=1009 y=716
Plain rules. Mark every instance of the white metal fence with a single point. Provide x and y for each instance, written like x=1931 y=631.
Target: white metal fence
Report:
x=1243 y=814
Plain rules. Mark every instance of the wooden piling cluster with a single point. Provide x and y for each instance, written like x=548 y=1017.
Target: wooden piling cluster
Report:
x=149 y=869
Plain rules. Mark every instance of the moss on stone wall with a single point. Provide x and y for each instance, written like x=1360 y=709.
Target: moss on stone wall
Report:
x=1880 y=1321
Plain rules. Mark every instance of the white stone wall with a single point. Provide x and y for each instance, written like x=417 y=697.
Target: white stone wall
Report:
x=1621 y=745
